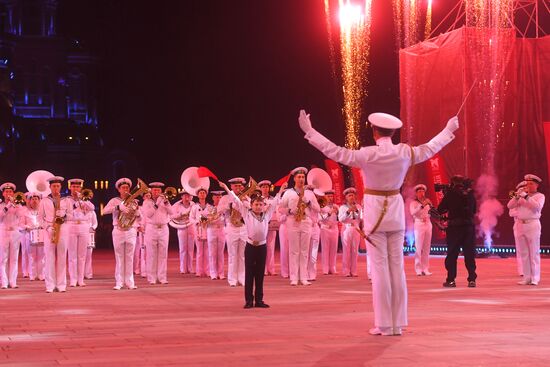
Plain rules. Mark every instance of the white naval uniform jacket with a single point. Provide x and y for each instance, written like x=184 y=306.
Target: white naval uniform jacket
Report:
x=351 y=219
x=329 y=219
x=112 y=208
x=419 y=213
x=527 y=208
x=178 y=210
x=289 y=202
x=47 y=212
x=78 y=211
x=198 y=213
x=157 y=213
x=383 y=167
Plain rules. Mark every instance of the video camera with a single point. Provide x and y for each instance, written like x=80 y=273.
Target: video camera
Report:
x=459 y=183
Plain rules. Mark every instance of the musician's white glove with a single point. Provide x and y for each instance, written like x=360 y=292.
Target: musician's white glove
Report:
x=305 y=122
x=522 y=194
x=123 y=208
x=452 y=124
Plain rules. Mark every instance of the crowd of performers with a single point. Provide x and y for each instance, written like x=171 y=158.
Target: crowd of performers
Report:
x=56 y=233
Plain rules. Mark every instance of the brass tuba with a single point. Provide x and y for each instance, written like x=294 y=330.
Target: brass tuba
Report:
x=191 y=182
x=37 y=182
x=321 y=182
x=126 y=220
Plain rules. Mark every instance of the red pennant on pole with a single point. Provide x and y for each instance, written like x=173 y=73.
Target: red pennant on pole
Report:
x=337 y=175
x=282 y=180
x=205 y=172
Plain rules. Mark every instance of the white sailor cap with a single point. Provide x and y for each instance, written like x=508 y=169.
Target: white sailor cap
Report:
x=298 y=170
x=385 y=120
x=55 y=179
x=183 y=192
x=264 y=182
x=218 y=192
x=420 y=187
x=202 y=189
x=531 y=177
x=156 y=185
x=237 y=181
x=123 y=181
x=76 y=181
x=8 y=186
x=31 y=195
x=521 y=184
x=329 y=192
x=350 y=190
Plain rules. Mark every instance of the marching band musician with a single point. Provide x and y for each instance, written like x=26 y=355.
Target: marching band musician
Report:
x=513 y=212
x=186 y=231
x=383 y=167
x=235 y=233
x=199 y=216
x=11 y=214
x=264 y=186
x=31 y=225
x=124 y=234
x=313 y=243
x=283 y=240
x=88 y=268
x=350 y=214
x=528 y=204
x=301 y=205
x=329 y=234
x=216 y=238
x=419 y=209
x=52 y=215
x=25 y=243
x=140 y=255
x=157 y=212
x=78 y=223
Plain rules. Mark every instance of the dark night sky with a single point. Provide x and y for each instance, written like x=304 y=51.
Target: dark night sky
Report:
x=220 y=83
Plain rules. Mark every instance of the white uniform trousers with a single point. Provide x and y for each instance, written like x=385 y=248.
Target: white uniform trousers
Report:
x=140 y=254
x=124 y=243
x=25 y=256
x=36 y=258
x=329 y=248
x=389 y=285
x=201 y=267
x=313 y=251
x=529 y=247
x=216 y=246
x=88 y=268
x=186 y=240
x=77 y=247
x=156 y=244
x=350 y=250
x=423 y=243
x=283 y=249
x=236 y=240
x=299 y=237
x=9 y=257
x=519 y=261
x=270 y=257
x=56 y=260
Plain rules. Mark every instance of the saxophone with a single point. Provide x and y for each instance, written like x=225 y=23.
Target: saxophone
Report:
x=126 y=220
x=300 y=208
x=57 y=222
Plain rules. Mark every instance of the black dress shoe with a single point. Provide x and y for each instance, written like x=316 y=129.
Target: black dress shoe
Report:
x=262 y=305
x=472 y=284
x=450 y=284
x=248 y=305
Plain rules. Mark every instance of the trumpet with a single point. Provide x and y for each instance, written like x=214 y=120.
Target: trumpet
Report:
x=512 y=194
x=170 y=193
x=19 y=198
x=87 y=195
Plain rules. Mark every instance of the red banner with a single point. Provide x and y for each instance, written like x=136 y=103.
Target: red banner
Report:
x=337 y=175
x=282 y=180
x=547 y=140
x=358 y=183
x=205 y=172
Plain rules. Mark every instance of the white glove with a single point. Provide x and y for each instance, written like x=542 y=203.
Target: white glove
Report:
x=123 y=208
x=523 y=194
x=452 y=124
x=59 y=213
x=305 y=122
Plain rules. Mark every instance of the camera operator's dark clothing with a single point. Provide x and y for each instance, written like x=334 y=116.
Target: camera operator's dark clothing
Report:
x=461 y=207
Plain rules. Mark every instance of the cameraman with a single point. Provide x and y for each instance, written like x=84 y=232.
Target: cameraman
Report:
x=460 y=204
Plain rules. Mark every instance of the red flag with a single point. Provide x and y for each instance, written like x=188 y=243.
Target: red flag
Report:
x=282 y=180
x=205 y=172
x=337 y=176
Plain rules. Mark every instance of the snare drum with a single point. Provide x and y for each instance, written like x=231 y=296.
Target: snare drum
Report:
x=91 y=244
x=36 y=237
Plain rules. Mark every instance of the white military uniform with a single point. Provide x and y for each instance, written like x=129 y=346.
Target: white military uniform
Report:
x=313 y=247
x=25 y=245
x=350 y=238
x=124 y=242
x=216 y=243
x=299 y=233
x=10 y=221
x=157 y=214
x=329 y=238
x=186 y=235
x=283 y=241
x=140 y=255
x=88 y=268
x=199 y=215
x=384 y=167
x=422 y=236
x=235 y=235
x=78 y=224
x=55 y=254
x=36 y=250
x=528 y=228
